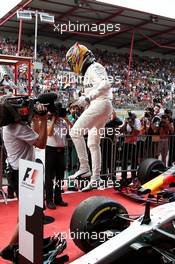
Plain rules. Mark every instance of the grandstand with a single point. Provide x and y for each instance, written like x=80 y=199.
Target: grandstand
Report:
x=147 y=27
x=152 y=67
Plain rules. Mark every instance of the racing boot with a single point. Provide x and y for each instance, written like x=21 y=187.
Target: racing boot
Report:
x=81 y=173
x=93 y=184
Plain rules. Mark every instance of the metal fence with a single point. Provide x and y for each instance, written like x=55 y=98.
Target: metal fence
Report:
x=128 y=152
x=122 y=154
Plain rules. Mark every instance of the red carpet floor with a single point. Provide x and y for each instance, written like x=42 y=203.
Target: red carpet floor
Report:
x=62 y=215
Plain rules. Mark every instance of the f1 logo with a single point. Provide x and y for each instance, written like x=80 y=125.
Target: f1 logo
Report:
x=30 y=176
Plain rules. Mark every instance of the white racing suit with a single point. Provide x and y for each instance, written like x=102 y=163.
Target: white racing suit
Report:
x=92 y=121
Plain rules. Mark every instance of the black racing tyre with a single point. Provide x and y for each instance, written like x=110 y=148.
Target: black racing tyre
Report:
x=93 y=218
x=149 y=169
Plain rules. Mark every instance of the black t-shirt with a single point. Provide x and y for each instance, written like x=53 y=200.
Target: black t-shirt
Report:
x=112 y=124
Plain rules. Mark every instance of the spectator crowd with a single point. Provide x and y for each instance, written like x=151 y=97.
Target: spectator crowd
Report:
x=151 y=84
x=149 y=77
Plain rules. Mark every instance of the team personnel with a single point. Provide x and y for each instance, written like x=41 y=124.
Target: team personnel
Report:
x=20 y=140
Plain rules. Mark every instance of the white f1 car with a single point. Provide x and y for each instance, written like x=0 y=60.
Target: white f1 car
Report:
x=149 y=238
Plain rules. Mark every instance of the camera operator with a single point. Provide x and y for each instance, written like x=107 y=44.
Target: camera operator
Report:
x=146 y=120
x=145 y=140
x=171 y=156
x=153 y=133
x=166 y=128
x=55 y=162
x=20 y=140
x=131 y=129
